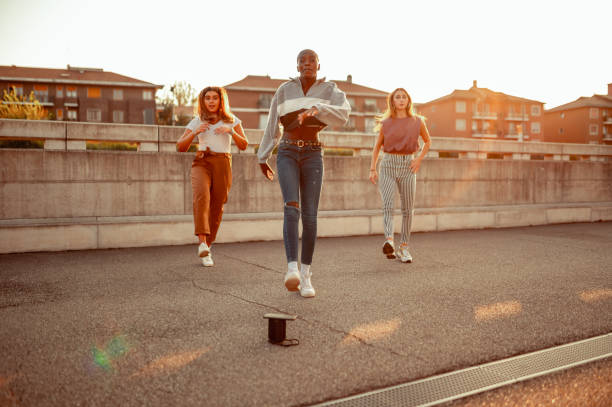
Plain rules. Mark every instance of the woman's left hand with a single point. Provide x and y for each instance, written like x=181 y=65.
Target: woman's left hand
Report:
x=223 y=130
x=415 y=165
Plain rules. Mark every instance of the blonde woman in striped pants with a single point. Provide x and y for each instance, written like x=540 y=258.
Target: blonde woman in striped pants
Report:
x=399 y=130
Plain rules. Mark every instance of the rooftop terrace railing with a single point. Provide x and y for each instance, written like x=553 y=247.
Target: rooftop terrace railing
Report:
x=74 y=136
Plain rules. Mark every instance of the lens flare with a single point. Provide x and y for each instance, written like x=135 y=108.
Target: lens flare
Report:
x=372 y=332
x=105 y=356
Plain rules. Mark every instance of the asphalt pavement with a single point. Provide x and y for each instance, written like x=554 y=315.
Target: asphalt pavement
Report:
x=151 y=326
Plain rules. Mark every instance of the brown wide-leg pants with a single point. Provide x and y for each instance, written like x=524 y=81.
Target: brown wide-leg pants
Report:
x=211 y=180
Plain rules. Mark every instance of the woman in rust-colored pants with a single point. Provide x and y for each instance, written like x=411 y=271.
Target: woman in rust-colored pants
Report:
x=211 y=180
x=211 y=170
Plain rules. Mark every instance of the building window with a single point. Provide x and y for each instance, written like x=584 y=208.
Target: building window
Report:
x=460 y=106
x=147 y=95
x=563 y=115
x=560 y=130
x=511 y=128
x=535 y=110
x=593 y=113
x=264 y=101
x=593 y=129
x=71 y=92
x=41 y=93
x=117 y=116
x=93 y=93
x=71 y=114
x=535 y=127
x=370 y=105
x=59 y=114
x=263 y=121
x=117 y=94
x=369 y=124
x=147 y=115
x=59 y=92
x=485 y=126
x=350 y=125
x=460 y=124
x=433 y=109
x=94 y=115
x=474 y=125
x=18 y=89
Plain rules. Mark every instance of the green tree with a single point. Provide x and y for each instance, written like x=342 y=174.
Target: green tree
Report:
x=178 y=94
x=184 y=93
x=166 y=101
x=14 y=106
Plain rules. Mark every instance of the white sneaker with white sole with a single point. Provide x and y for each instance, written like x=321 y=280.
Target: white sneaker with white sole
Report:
x=389 y=249
x=306 y=288
x=203 y=249
x=404 y=255
x=207 y=261
x=292 y=279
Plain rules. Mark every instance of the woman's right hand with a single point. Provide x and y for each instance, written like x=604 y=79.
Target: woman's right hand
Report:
x=267 y=171
x=203 y=127
x=373 y=176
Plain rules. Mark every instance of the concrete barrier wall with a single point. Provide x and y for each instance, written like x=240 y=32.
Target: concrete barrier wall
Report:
x=59 y=184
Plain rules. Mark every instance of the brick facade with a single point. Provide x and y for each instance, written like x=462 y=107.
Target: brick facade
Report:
x=84 y=94
x=482 y=113
x=586 y=120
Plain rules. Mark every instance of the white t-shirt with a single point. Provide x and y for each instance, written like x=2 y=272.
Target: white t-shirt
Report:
x=219 y=143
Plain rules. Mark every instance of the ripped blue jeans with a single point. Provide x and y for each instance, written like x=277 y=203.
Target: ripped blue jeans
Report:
x=300 y=175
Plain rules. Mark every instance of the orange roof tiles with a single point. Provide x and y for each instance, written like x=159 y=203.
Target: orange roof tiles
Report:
x=70 y=75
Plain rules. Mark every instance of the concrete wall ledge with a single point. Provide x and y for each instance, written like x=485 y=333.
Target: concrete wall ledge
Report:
x=29 y=235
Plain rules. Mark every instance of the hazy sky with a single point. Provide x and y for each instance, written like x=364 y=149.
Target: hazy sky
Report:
x=552 y=51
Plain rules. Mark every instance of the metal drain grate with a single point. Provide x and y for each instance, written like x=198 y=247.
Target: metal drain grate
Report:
x=454 y=385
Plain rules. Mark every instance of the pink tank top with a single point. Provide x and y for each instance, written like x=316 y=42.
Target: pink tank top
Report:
x=401 y=136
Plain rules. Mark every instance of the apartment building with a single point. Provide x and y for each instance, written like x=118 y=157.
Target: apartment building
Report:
x=84 y=94
x=586 y=120
x=484 y=114
x=251 y=96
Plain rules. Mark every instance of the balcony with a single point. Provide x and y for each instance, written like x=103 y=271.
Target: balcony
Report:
x=370 y=108
x=516 y=117
x=484 y=116
x=71 y=102
x=480 y=134
x=515 y=136
x=44 y=100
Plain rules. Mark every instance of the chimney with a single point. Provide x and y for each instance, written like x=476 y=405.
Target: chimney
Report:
x=349 y=79
x=610 y=89
x=474 y=83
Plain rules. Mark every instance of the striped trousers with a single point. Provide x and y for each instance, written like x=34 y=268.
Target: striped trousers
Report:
x=395 y=171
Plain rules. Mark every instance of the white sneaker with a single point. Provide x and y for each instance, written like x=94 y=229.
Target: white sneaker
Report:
x=306 y=288
x=292 y=280
x=404 y=255
x=207 y=261
x=389 y=249
x=203 y=249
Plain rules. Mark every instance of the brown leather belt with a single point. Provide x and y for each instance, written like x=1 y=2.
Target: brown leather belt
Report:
x=208 y=153
x=302 y=143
